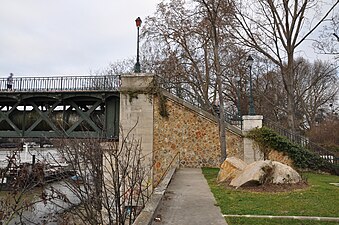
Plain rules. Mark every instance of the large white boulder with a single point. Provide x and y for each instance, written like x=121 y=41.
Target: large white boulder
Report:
x=266 y=171
x=230 y=168
x=284 y=174
x=254 y=173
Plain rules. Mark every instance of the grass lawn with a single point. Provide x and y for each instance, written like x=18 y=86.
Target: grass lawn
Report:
x=259 y=221
x=319 y=199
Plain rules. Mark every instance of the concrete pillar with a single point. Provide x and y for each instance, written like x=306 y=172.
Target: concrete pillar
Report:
x=251 y=153
x=136 y=111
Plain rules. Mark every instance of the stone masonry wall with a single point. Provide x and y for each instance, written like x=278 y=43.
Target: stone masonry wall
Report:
x=274 y=155
x=189 y=137
x=280 y=157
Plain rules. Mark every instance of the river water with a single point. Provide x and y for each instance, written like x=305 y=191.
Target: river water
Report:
x=48 y=155
x=41 y=213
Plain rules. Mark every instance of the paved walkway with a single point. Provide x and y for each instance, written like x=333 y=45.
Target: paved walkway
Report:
x=188 y=201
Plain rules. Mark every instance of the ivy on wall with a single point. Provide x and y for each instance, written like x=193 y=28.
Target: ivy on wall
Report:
x=302 y=158
x=153 y=89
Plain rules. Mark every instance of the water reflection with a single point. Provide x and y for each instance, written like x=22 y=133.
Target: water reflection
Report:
x=41 y=213
x=47 y=213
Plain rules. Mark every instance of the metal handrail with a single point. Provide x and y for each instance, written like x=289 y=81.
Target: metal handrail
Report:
x=303 y=142
x=293 y=137
x=233 y=119
x=168 y=167
x=62 y=83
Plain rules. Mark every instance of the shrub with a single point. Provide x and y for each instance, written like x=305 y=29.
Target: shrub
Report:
x=302 y=158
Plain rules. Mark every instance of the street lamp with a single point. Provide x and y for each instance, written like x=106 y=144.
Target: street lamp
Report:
x=249 y=63
x=137 y=64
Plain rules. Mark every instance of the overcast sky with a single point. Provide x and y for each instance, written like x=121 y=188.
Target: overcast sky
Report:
x=71 y=37
x=67 y=37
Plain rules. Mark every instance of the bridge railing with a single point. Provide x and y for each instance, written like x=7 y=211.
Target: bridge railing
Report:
x=62 y=83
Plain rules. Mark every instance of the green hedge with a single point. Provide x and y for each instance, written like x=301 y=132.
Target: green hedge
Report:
x=302 y=158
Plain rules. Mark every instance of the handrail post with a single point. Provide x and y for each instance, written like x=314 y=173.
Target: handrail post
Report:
x=61 y=84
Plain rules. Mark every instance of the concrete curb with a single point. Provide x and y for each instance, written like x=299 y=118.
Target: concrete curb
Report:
x=318 y=218
x=147 y=214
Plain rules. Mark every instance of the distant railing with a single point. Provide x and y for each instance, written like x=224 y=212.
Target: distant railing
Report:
x=303 y=141
x=235 y=120
x=62 y=83
x=181 y=91
x=293 y=137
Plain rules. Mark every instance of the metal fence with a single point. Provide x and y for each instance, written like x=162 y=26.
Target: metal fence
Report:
x=233 y=119
x=61 y=83
x=331 y=157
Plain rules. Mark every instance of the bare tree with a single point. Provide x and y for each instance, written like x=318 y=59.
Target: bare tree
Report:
x=269 y=97
x=191 y=40
x=21 y=188
x=328 y=40
x=116 y=68
x=316 y=86
x=326 y=133
x=112 y=183
x=183 y=39
x=276 y=29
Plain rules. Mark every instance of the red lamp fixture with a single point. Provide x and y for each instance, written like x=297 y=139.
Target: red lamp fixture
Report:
x=138 y=22
x=137 y=64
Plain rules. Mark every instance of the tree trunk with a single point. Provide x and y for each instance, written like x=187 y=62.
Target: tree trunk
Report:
x=289 y=76
x=222 y=131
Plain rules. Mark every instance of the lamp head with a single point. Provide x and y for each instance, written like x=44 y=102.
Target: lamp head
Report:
x=138 y=22
x=249 y=61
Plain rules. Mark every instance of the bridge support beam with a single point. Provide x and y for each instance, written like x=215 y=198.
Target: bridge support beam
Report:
x=57 y=115
x=251 y=153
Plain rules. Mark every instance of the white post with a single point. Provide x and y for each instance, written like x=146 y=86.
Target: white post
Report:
x=136 y=110
x=250 y=122
x=26 y=151
x=136 y=113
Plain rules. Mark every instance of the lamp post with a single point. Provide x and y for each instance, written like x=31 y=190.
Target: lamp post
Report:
x=238 y=96
x=249 y=63
x=137 y=64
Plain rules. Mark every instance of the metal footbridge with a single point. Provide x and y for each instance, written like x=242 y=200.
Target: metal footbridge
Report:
x=60 y=106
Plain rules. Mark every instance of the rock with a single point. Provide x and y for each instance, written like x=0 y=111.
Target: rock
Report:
x=284 y=174
x=253 y=174
x=230 y=168
x=267 y=171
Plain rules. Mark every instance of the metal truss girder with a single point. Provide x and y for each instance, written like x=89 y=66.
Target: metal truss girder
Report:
x=59 y=114
x=84 y=116
x=5 y=116
x=44 y=117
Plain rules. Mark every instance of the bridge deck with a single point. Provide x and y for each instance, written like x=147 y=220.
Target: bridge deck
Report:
x=70 y=106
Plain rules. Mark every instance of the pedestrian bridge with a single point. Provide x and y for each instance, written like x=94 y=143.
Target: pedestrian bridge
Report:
x=60 y=106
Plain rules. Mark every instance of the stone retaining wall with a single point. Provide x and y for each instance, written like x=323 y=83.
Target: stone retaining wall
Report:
x=280 y=157
x=274 y=155
x=188 y=137
x=193 y=134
